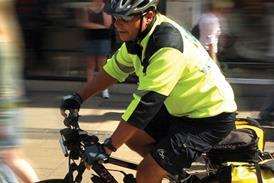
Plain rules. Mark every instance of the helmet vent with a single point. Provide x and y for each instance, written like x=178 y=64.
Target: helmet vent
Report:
x=128 y=7
x=144 y=3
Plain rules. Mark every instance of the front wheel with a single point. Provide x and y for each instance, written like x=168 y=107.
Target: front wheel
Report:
x=53 y=181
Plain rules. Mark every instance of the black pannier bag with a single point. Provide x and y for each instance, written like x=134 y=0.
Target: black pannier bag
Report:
x=241 y=145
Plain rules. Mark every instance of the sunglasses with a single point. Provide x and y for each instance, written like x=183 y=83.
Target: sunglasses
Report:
x=124 y=18
x=127 y=18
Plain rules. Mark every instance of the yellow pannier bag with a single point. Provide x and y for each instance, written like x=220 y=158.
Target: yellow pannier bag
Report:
x=238 y=162
x=247 y=173
x=236 y=172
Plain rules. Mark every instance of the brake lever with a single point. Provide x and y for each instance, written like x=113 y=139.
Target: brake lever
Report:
x=72 y=120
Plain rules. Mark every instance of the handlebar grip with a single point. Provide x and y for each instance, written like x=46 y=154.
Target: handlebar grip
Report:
x=72 y=119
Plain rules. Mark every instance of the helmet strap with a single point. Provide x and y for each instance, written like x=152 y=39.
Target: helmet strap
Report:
x=140 y=27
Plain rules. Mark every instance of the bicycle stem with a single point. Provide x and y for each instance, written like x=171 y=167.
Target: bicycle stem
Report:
x=103 y=173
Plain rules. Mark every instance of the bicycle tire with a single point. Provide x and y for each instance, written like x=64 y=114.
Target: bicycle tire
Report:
x=53 y=181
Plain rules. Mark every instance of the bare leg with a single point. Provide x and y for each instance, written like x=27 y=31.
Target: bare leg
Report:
x=145 y=169
x=20 y=167
x=141 y=143
x=91 y=65
x=101 y=60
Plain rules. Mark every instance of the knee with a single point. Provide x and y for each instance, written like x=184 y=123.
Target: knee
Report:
x=149 y=171
x=143 y=170
x=131 y=145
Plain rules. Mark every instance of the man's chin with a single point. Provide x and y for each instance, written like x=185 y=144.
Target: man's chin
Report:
x=123 y=38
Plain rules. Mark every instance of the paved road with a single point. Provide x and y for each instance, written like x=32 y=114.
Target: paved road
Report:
x=42 y=123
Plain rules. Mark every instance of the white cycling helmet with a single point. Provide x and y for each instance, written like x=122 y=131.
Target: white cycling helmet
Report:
x=127 y=8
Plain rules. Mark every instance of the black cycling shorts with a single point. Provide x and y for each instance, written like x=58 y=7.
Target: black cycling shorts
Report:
x=180 y=140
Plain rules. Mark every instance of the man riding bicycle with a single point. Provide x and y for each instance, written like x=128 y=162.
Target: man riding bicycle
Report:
x=183 y=105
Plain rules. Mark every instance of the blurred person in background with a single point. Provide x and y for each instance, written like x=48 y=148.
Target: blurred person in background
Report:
x=211 y=24
x=267 y=113
x=270 y=16
x=97 y=46
x=10 y=92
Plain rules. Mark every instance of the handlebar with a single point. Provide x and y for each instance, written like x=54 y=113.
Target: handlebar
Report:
x=73 y=142
x=73 y=139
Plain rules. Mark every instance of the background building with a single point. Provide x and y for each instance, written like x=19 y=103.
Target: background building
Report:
x=53 y=41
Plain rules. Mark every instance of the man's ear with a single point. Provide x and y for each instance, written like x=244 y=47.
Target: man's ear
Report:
x=149 y=16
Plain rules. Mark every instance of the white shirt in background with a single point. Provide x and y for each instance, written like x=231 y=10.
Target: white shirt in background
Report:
x=210 y=30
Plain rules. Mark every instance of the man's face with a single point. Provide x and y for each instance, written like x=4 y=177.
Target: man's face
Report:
x=127 y=30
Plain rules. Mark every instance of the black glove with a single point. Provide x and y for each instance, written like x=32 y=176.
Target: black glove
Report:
x=95 y=154
x=71 y=102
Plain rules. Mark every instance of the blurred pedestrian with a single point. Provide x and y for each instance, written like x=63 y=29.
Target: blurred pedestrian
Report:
x=270 y=16
x=97 y=47
x=211 y=24
x=267 y=112
x=10 y=93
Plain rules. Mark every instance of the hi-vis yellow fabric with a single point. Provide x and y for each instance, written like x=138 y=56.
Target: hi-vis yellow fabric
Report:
x=192 y=82
x=245 y=173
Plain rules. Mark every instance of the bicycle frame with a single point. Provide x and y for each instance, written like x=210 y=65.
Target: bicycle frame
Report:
x=103 y=174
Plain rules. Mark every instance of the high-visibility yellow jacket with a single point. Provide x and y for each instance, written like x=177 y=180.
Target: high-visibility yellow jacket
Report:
x=173 y=69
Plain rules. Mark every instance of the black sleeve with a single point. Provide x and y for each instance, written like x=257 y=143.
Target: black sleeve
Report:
x=147 y=108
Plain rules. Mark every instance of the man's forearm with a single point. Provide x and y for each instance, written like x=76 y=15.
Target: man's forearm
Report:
x=122 y=134
x=100 y=82
x=212 y=53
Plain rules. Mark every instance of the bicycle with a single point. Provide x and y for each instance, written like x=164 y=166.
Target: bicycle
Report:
x=73 y=142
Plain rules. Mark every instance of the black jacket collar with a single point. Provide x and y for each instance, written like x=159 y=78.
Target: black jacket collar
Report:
x=133 y=46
